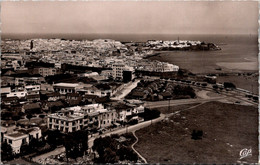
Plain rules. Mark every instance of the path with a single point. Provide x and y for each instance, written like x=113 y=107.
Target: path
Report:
x=137 y=151
x=91 y=140
x=127 y=129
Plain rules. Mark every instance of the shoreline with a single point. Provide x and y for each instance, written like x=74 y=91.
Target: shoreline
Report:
x=223 y=70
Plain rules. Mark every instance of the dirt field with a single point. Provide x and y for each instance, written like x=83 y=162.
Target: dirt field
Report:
x=227 y=129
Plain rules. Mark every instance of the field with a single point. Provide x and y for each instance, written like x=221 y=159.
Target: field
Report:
x=166 y=110
x=227 y=129
x=249 y=83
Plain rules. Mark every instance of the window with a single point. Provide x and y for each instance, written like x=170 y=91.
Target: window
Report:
x=104 y=122
x=10 y=141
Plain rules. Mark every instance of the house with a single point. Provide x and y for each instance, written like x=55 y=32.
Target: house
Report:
x=21 y=137
x=89 y=98
x=44 y=71
x=72 y=96
x=16 y=140
x=53 y=96
x=32 y=108
x=9 y=100
x=5 y=90
x=76 y=118
x=6 y=128
x=7 y=81
x=64 y=88
x=32 y=98
x=46 y=87
x=32 y=89
x=53 y=106
x=18 y=94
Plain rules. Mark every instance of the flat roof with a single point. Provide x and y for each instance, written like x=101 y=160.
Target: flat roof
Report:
x=15 y=135
x=66 y=84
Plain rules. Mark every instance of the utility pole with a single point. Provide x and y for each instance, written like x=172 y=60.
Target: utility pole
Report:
x=169 y=105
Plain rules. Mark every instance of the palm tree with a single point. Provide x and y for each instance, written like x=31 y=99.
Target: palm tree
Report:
x=29 y=116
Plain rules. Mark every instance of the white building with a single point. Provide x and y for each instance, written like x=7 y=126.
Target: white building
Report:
x=32 y=89
x=21 y=137
x=76 y=118
x=18 y=94
x=64 y=88
x=46 y=71
x=117 y=71
x=170 y=67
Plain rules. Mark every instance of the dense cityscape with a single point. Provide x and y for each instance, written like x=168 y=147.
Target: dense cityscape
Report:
x=129 y=82
x=52 y=89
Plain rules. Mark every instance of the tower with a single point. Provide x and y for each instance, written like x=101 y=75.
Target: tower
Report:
x=31 y=44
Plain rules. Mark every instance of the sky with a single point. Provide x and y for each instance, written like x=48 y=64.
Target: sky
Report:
x=129 y=17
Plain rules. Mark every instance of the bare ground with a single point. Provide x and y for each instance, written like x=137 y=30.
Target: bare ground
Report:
x=227 y=129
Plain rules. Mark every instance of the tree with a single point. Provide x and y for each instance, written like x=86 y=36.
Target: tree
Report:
x=197 y=134
x=229 y=85
x=76 y=144
x=29 y=116
x=150 y=114
x=126 y=153
x=25 y=149
x=54 y=138
x=109 y=156
x=6 y=151
x=16 y=118
x=42 y=116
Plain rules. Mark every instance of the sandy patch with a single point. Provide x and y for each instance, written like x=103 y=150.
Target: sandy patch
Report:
x=238 y=65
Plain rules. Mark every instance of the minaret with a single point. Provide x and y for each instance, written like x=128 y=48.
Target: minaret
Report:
x=31 y=44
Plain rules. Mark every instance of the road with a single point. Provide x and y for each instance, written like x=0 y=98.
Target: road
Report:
x=126 y=90
x=157 y=104
x=127 y=129
x=91 y=140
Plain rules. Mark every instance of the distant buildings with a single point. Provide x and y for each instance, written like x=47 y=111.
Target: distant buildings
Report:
x=44 y=71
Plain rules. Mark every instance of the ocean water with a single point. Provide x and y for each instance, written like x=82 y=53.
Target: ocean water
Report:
x=238 y=53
